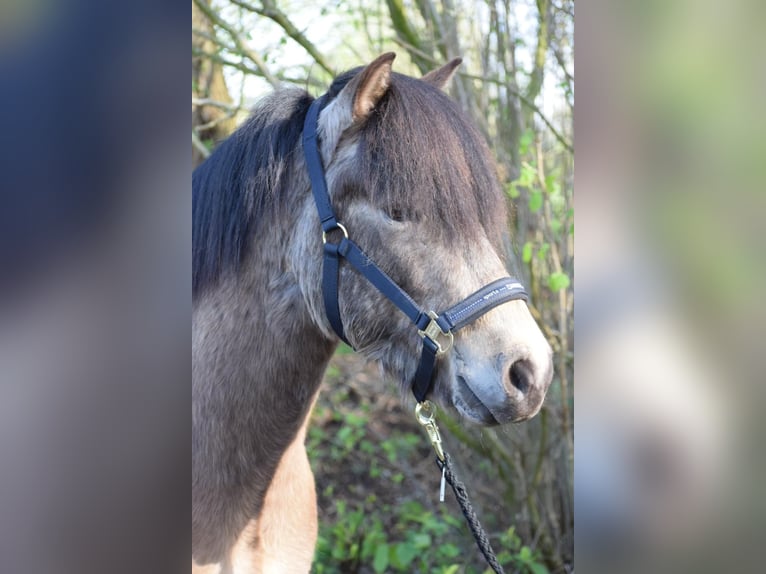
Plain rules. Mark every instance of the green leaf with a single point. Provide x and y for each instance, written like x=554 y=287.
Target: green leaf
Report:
x=403 y=555
x=344 y=434
x=526 y=253
x=558 y=203
x=525 y=141
x=537 y=568
x=544 y=248
x=525 y=555
x=380 y=562
x=535 y=201
x=528 y=174
x=449 y=550
x=421 y=540
x=558 y=281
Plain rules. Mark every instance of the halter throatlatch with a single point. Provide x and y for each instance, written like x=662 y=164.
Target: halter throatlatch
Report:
x=436 y=329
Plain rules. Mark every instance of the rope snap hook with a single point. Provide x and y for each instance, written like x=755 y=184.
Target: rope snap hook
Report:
x=425 y=413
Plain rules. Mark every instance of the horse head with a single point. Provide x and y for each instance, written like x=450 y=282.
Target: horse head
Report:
x=415 y=186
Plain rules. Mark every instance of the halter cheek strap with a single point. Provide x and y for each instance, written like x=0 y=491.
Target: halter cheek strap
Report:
x=436 y=330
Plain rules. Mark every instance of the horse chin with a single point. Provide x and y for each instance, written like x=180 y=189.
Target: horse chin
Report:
x=471 y=407
x=478 y=414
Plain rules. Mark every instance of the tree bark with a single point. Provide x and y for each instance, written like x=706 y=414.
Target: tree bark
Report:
x=207 y=84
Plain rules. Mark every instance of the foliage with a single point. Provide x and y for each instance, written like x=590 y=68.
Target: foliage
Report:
x=377 y=525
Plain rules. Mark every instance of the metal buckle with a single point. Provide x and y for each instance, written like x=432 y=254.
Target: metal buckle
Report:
x=433 y=330
x=337 y=226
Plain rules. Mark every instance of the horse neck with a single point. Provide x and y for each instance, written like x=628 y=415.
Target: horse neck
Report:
x=258 y=355
x=289 y=353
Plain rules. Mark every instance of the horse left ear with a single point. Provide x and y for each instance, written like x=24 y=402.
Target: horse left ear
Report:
x=440 y=77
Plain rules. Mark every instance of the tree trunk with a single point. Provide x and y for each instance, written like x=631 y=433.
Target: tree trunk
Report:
x=212 y=123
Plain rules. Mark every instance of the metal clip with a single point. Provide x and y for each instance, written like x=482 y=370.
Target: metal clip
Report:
x=425 y=413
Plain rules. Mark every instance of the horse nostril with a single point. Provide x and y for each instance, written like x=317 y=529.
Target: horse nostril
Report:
x=521 y=374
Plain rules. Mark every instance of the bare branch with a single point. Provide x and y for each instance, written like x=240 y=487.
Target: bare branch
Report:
x=544 y=30
x=216 y=104
x=568 y=146
x=273 y=13
x=242 y=67
x=238 y=42
x=200 y=147
x=415 y=51
x=210 y=37
x=564 y=10
x=213 y=123
x=256 y=72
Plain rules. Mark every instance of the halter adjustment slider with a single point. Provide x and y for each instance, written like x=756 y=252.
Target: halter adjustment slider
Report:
x=433 y=331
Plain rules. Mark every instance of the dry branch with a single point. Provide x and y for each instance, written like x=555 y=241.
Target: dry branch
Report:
x=274 y=14
x=239 y=43
x=197 y=143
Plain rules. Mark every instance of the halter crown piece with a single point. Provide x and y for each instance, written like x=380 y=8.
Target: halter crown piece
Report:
x=436 y=330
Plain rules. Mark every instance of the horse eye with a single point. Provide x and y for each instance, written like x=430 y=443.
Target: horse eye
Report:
x=396 y=215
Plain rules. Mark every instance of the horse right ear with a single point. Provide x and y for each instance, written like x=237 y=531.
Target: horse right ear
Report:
x=355 y=102
x=362 y=93
x=371 y=84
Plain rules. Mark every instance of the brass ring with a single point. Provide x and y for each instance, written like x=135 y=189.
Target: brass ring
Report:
x=337 y=226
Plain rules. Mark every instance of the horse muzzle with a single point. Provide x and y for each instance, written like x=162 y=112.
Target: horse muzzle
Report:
x=501 y=391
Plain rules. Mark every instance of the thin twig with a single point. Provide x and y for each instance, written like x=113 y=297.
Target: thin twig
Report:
x=197 y=143
x=216 y=104
x=245 y=69
x=273 y=13
x=241 y=48
x=213 y=123
x=564 y=10
x=567 y=145
x=563 y=308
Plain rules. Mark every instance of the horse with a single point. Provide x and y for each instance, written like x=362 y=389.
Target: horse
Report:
x=413 y=181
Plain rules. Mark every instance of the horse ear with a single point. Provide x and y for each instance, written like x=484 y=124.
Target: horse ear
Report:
x=355 y=102
x=441 y=76
x=370 y=85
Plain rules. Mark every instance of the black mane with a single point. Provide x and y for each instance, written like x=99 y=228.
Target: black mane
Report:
x=241 y=178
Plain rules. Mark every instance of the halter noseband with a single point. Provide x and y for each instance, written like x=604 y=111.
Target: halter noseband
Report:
x=436 y=330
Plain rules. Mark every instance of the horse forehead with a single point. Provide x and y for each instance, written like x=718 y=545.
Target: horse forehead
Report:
x=333 y=121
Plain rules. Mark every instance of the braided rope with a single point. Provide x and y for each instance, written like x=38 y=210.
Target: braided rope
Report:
x=482 y=540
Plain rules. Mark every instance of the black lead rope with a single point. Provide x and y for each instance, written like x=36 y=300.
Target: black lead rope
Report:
x=436 y=330
x=482 y=540
x=425 y=413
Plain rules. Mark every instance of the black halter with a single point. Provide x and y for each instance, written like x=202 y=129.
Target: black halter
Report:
x=431 y=326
